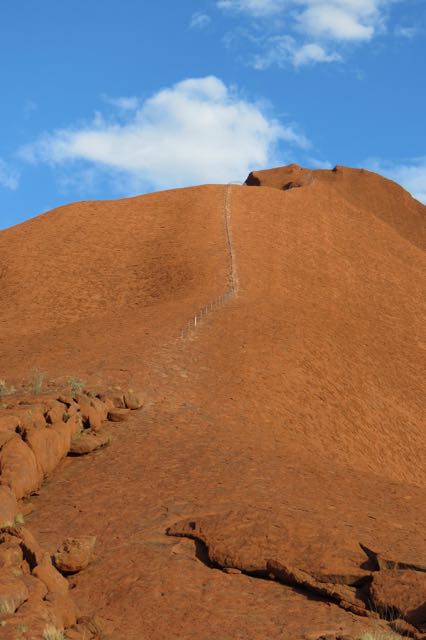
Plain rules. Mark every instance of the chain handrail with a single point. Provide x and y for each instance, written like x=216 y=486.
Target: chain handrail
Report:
x=233 y=281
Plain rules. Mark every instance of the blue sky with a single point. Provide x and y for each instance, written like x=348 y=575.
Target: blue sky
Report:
x=114 y=98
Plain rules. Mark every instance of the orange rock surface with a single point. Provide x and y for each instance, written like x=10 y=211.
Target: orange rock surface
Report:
x=298 y=399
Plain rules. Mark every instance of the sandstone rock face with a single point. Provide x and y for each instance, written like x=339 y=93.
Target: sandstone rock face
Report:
x=317 y=561
x=88 y=442
x=64 y=608
x=114 y=398
x=83 y=403
x=37 y=599
x=19 y=468
x=10 y=552
x=387 y=560
x=32 y=443
x=33 y=552
x=9 y=424
x=247 y=541
x=284 y=178
x=13 y=592
x=74 y=554
x=73 y=409
x=303 y=393
x=31 y=416
x=134 y=400
x=88 y=628
x=37 y=589
x=5 y=436
x=74 y=424
x=94 y=418
x=118 y=415
x=8 y=505
x=100 y=407
x=55 y=413
x=346 y=596
x=404 y=591
x=51 y=577
x=47 y=447
x=64 y=432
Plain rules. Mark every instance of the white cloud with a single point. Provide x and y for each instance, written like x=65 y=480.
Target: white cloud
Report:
x=313 y=25
x=199 y=130
x=336 y=21
x=199 y=20
x=280 y=50
x=124 y=103
x=310 y=53
x=9 y=177
x=406 y=32
x=254 y=7
x=411 y=174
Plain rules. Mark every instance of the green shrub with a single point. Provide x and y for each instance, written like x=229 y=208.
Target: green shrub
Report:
x=52 y=633
x=5 y=390
x=378 y=635
x=76 y=385
x=37 y=380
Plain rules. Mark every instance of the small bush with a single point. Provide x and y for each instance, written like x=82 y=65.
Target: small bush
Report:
x=5 y=390
x=52 y=633
x=378 y=635
x=37 y=379
x=76 y=385
x=6 y=607
x=19 y=520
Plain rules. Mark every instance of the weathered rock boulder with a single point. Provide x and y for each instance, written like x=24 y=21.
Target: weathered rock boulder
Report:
x=19 y=468
x=47 y=446
x=114 y=398
x=403 y=591
x=87 y=442
x=74 y=554
x=248 y=540
x=11 y=554
x=55 y=413
x=51 y=577
x=133 y=400
x=13 y=592
x=287 y=177
x=8 y=425
x=8 y=506
x=118 y=415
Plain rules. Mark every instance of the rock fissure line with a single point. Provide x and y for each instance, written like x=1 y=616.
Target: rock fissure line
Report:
x=233 y=282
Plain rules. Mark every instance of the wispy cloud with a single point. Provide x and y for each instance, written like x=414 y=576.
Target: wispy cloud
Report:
x=199 y=20
x=282 y=50
x=309 y=31
x=406 y=32
x=411 y=174
x=198 y=130
x=9 y=177
x=126 y=103
x=255 y=8
x=317 y=163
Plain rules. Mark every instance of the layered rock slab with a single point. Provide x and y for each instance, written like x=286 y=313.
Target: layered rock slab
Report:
x=321 y=561
x=249 y=540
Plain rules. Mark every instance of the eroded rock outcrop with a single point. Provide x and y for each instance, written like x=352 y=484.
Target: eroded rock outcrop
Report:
x=35 y=435
x=335 y=567
x=291 y=176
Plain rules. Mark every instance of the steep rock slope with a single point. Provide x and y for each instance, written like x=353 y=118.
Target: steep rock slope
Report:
x=297 y=403
x=85 y=276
